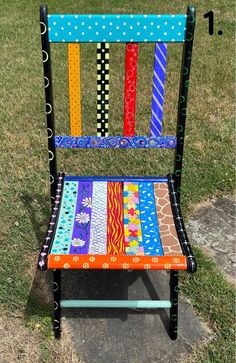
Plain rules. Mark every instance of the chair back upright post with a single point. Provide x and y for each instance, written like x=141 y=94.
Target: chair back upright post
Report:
x=183 y=97
x=46 y=54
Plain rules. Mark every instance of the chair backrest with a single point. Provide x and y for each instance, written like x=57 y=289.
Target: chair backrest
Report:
x=102 y=30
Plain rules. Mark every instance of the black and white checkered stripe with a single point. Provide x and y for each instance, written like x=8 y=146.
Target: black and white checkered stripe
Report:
x=102 y=88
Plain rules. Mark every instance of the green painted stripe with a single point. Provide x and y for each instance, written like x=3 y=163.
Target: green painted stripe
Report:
x=130 y=304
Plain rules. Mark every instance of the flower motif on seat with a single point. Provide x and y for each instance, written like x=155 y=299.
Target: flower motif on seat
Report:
x=113 y=259
x=87 y=202
x=77 y=242
x=105 y=265
x=176 y=260
x=75 y=259
x=82 y=217
x=155 y=259
x=125 y=266
x=66 y=266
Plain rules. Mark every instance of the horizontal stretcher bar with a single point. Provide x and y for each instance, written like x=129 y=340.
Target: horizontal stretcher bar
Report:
x=129 y=304
x=116 y=28
x=97 y=142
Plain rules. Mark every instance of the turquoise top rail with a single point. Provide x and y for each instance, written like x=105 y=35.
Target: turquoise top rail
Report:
x=71 y=28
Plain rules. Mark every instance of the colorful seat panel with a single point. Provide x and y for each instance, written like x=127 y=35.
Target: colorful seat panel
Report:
x=124 y=222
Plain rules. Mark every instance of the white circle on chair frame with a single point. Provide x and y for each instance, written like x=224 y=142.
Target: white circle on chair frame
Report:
x=50 y=108
x=56 y=305
x=44 y=52
x=50 y=133
x=45 y=28
x=51 y=155
x=46 y=82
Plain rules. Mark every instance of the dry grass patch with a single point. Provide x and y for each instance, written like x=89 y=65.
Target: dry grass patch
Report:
x=19 y=344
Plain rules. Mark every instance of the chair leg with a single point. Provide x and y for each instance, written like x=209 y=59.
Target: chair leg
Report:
x=174 y=275
x=57 y=307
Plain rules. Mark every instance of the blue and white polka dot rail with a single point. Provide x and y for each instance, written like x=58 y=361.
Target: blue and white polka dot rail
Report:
x=116 y=28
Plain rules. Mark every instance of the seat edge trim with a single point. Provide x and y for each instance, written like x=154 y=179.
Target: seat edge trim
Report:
x=117 y=262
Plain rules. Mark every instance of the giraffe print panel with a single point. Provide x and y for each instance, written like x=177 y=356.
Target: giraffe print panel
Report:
x=169 y=238
x=119 y=223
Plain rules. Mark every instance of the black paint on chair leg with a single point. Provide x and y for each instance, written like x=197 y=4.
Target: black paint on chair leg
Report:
x=56 y=302
x=174 y=276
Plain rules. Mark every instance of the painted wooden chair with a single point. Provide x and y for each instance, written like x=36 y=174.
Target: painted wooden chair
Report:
x=117 y=222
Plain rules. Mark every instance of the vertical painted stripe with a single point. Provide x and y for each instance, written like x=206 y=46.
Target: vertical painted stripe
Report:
x=63 y=235
x=82 y=221
x=132 y=223
x=131 y=62
x=115 y=219
x=98 y=232
x=102 y=88
x=74 y=89
x=150 y=231
x=158 y=88
x=169 y=237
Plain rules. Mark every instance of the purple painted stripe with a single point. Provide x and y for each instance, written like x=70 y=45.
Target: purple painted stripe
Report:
x=158 y=89
x=82 y=222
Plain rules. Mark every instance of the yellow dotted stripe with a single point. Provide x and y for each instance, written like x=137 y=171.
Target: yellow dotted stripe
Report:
x=74 y=89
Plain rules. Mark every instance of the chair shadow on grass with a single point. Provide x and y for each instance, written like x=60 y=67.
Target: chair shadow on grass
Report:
x=39 y=302
x=89 y=284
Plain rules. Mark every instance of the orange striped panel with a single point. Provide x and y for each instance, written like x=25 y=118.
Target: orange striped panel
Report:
x=117 y=262
x=115 y=219
x=74 y=89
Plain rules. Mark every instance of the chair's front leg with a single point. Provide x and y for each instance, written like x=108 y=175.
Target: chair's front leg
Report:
x=174 y=277
x=57 y=307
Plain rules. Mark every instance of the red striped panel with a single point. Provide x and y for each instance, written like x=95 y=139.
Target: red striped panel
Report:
x=115 y=219
x=131 y=62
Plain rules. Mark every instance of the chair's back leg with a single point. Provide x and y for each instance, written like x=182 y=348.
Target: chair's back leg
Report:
x=57 y=307
x=174 y=291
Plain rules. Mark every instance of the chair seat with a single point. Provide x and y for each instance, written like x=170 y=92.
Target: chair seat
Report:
x=113 y=223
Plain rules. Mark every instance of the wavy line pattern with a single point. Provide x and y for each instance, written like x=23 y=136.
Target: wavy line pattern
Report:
x=115 y=221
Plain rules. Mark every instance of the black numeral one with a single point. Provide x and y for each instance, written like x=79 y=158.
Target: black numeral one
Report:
x=210 y=16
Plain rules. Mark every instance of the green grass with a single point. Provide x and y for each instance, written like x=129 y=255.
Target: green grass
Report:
x=209 y=153
x=214 y=299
